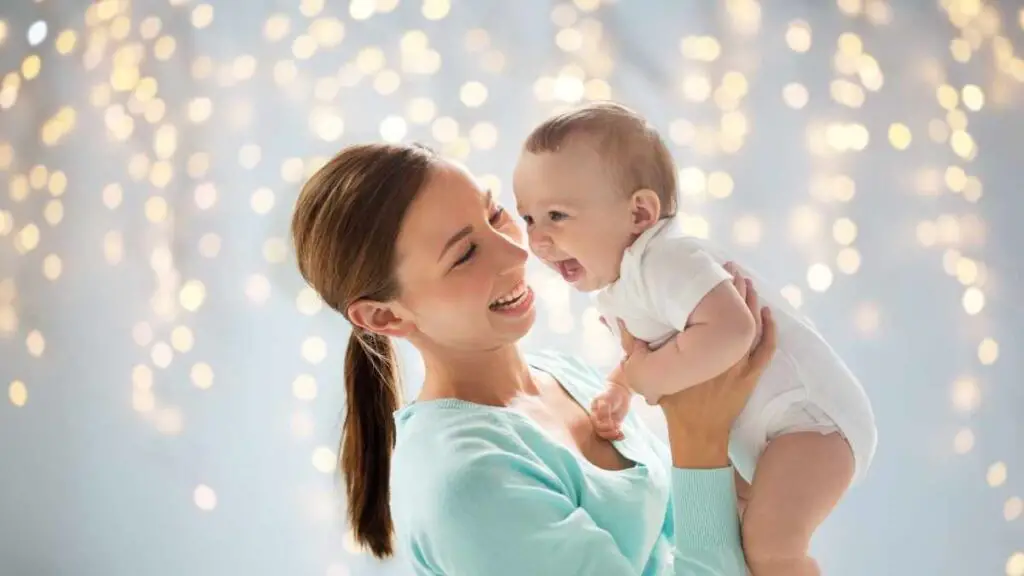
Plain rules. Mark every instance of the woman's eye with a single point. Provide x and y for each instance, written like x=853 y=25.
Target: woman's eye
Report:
x=465 y=257
x=497 y=216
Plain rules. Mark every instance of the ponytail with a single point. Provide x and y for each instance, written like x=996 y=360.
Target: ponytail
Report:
x=368 y=437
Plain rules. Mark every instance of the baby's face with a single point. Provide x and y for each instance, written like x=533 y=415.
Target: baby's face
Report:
x=577 y=222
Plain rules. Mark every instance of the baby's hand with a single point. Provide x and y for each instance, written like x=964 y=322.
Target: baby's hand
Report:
x=609 y=409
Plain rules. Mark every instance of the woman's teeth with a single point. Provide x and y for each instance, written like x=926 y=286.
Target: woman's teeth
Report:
x=511 y=298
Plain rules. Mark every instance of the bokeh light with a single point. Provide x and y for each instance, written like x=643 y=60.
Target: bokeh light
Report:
x=149 y=303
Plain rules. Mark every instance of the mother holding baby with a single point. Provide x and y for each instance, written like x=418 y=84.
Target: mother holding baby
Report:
x=496 y=468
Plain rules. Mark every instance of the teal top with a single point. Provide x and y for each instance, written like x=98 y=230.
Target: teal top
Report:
x=482 y=490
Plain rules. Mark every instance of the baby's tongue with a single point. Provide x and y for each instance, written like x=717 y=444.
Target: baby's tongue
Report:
x=570 y=269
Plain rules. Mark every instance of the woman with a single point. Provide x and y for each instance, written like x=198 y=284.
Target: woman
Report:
x=497 y=470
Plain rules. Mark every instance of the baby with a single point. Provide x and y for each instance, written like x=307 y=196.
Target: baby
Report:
x=596 y=187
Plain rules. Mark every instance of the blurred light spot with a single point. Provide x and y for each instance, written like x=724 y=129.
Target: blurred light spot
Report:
x=1013 y=508
x=746 y=231
x=436 y=9
x=202 y=16
x=445 y=129
x=966 y=395
x=36 y=33
x=819 y=277
x=201 y=375
x=169 y=421
x=156 y=209
x=112 y=195
x=473 y=94
x=142 y=377
x=996 y=475
x=947 y=96
x=804 y=223
x=209 y=245
x=795 y=95
x=182 y=338
x=973 y=97
x=1015 y=564
x=257 y=288
x=848 y=260
x=844 y=231
x=386 y=82
x=963 y=442
x=314 y=349
x=798 y=36
x=308 y=301
x=142 y=334
x=161 y=354
x=52 y=267
x=304 y=387
x=302 y=425
x=867 y=318
x=17 y=393
x=421 y=110
x=973 y=301
x=262 y=200
x=681 y=132
x=484 y=135
x=275 y=250
x=192 y=295
x=793 y=295
x=899 y=136
x=700 y=48
x=35 y=343
x=696 y=87
x=324 y=459
x=393 y=129
x=988 y=351
x=205 y=498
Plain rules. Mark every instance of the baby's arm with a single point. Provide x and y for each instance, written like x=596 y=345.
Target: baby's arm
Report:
x=693 y=293
x=717 y=334
x=609 y=408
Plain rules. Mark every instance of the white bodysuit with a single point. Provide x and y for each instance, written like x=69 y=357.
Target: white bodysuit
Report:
x=806 y=387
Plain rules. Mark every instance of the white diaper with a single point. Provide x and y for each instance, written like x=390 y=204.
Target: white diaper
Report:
x=801 y=417
x=832 y=402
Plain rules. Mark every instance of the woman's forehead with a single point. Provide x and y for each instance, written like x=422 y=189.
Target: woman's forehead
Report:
x=449 y=201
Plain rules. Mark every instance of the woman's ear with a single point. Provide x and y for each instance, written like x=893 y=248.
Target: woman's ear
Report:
x=379 y=318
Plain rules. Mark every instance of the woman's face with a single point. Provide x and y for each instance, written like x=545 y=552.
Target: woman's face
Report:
x=462 y=267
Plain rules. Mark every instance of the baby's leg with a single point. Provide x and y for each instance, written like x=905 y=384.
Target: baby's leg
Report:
x=799 y=479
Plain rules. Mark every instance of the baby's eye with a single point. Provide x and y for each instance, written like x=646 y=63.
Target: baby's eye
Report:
x=556 y=216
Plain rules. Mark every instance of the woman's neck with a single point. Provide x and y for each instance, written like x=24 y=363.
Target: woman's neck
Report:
x=492 y=377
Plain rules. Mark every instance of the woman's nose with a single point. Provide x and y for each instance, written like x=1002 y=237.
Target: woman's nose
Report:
x=513 y=254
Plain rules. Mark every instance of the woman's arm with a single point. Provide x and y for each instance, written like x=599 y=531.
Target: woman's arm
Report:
x=503 y=516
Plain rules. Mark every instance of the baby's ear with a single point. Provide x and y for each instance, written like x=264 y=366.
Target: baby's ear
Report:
x=645 y=207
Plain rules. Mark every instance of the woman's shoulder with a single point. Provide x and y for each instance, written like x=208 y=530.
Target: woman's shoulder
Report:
x=440 y=439
x=449 y=458
x=570 y=370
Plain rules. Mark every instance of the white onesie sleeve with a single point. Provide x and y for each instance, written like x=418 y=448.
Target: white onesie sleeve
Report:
x=678 y=274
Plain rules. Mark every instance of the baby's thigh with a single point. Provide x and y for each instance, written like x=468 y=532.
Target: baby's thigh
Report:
x=800 y=478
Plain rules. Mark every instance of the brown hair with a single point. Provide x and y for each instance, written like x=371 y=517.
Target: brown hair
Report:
x=344 y=227
x=632 y=149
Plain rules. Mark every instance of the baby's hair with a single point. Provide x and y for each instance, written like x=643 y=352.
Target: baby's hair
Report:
x=631 y=148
